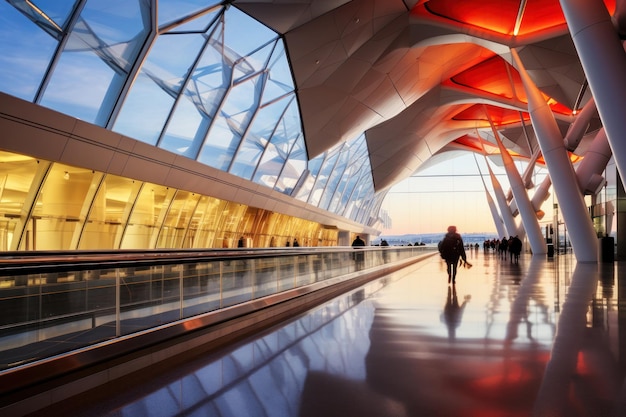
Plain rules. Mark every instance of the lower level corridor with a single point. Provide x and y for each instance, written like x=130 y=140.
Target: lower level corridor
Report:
x=536 y=338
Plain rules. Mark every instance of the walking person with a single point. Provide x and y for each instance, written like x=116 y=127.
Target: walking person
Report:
x=451 y=249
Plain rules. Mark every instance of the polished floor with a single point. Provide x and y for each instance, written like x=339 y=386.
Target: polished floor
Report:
x=537 y=338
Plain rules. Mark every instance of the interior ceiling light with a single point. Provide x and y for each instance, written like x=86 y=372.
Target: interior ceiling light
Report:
x=520 y=15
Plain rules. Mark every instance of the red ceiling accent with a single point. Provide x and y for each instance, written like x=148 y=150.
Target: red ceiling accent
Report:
x=541 y=14
x=500 y=15
x=492 y=76
x=496 y=76
x=472 y=142
x=495 y=15
x=499 y=115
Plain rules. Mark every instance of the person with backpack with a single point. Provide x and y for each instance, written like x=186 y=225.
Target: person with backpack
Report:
x=451 y=248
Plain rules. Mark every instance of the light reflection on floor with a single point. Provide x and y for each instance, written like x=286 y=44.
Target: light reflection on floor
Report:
x=535 y=338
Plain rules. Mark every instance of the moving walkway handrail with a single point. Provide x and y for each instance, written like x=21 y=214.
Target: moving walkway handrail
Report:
x=51 y=261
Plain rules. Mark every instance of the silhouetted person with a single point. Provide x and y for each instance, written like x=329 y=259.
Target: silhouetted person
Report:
x=515 y=247
x=295 y=243
x=359 y=257
x=451 y=249
x=241 y=243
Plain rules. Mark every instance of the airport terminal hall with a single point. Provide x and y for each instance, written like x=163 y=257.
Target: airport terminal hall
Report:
x=231 y=208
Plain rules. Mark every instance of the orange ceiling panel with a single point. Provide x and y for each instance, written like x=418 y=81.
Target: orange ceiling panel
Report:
x=477 y=144
x=492 y=76
x=540 y=15
x=496 y=76
x=496 y=15
x=500 y=15
x=499 y=115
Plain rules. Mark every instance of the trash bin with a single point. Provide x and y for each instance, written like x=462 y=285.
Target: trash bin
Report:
x=607 y=249
x=550 y=250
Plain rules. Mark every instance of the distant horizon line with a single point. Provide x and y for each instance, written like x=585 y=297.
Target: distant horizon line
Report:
x=410 y=237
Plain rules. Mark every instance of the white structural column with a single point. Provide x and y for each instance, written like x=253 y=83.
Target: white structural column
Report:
x=542 y=192
x=590 y=169
x=526 y=210
x=505 y=212
x=582 y=234
x=578 y=128
x=497 y=220
x=572 y=139
x=604 y=62
x=526 y=178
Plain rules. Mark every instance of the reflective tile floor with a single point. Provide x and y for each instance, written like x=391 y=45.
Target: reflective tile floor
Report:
x=537 y=338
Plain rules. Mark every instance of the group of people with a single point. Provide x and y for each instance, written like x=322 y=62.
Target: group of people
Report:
x=452 y=250
x=511 y=247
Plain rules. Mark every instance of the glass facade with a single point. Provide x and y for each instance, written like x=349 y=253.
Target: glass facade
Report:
x=52 y=206
x=199 y=79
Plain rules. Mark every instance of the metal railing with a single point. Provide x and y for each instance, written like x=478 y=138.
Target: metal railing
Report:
x=55 y=303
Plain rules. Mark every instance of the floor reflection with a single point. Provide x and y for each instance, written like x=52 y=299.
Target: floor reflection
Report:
x=536 y=338
x=453 y=311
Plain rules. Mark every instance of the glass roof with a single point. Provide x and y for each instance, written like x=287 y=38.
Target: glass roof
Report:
x=193 y=77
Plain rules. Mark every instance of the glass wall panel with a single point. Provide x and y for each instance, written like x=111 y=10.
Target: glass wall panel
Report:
x=238 y=110
x=146 y=217
x=322 y=179
x=210 y=219
x=55 y=10
x=249 y=225
x=17 y=177
x=58 y=208
x=248 y=156
x=232 y=215
x=254 y=63
x=174 y=229
x=172 y=10
x=260 y=133
x=279 y=151
x=306 y=187
x=297 y=160
x=293 y=169
x=280 y=80
x=151 y=97
x=243 y=34
x=186 y=130
x=25 y=53
x=212 y=76
x=342 y=198
x=197 y=235
x=109 y=213
x=333 y=180
x=91 y=72
x=152 y=112
x=220 y=146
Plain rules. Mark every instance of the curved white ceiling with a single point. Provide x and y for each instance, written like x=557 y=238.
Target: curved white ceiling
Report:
x=415 y=75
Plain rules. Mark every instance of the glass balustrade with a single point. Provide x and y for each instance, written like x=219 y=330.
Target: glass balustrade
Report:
x=64 y=308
